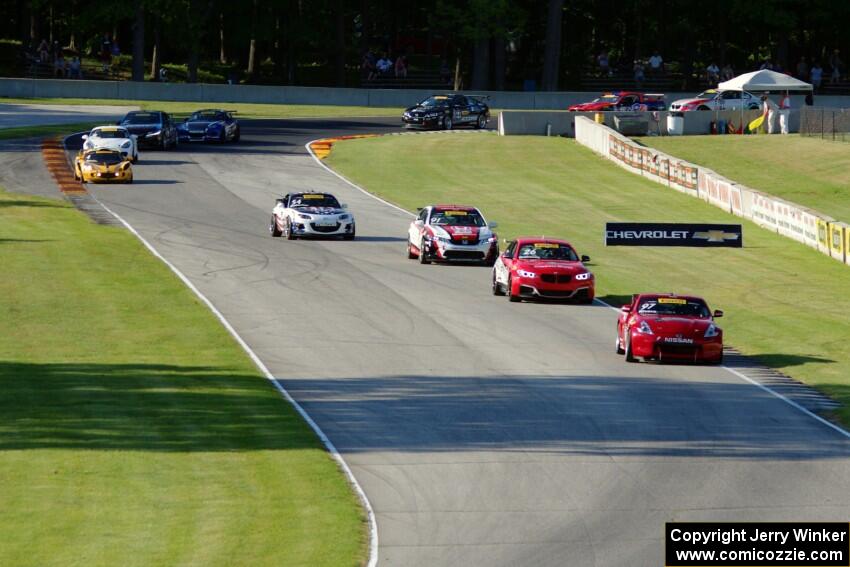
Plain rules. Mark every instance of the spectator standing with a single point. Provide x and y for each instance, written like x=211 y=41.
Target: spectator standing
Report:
x=712 y=73
x=802 y=69
x=769 y=109
x=59 y=66
x=837 y=66
x=604 y=64
x=44 y=51
x=656 y=64
x=74 y=71
x=384 y=64
x=639 y=73
x=816 y=75
x=784 y=112
x=727 y=73
x=106 y=52
x=163 y=75
x=401 y=67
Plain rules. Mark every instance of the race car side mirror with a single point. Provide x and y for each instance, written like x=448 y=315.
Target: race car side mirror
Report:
x=585 y=258
x=492 y=224
x=718 y=313
x=419 y=223
x=626 y=308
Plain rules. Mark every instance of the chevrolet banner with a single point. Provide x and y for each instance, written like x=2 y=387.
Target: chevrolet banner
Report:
x=673 y=234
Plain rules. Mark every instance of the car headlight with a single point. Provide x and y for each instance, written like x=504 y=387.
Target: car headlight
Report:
x=344 y=217
x=126 y=144
x=489 y=239
x=526 y=274
x=644 y=328
x=305 y=217
x=153 y=134
x=584 y=276
x=712 y=331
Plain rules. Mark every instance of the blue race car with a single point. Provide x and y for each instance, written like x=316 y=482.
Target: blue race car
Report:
x=209 y=125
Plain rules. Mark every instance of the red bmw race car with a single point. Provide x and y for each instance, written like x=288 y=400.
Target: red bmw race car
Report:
x=669 y=327
x=444 y=233
x=542 y=268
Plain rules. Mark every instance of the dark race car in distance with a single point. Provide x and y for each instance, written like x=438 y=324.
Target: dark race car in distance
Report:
x=447 y=111
x=622 y=100
x=209 y=125
x=153 y=129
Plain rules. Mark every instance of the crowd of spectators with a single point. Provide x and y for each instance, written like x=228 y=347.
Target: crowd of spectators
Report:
x=373 y=67
x=59 y=62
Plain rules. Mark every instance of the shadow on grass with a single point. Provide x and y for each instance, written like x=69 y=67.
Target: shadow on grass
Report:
x=143 y=407
x=616 y=301
x=21 y=240
x=785 y=360
x=5 y=204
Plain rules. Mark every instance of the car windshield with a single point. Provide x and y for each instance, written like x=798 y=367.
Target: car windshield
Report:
x=104 y=158
x=434 y=101
x=207 y=115
x=456 y=218
x=313 y=200
x=707 y=94
x=547 y=251
x=606 y=98
x=678 y=306
x=142 y=118
x=113 y=133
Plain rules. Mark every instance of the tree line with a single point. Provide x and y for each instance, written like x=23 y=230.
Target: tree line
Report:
x=496 y=44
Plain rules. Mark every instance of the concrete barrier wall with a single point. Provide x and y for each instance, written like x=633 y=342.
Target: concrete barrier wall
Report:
x=812 y=228
x=128 y=90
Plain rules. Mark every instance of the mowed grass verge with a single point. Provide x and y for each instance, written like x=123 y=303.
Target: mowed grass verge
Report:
x=44 y=130
x=244 y=110
x=785 y=303
x=133 y=429
x=811 y=172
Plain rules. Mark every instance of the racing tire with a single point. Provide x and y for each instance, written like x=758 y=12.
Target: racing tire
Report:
x=349 y=236
x=481 y=123
x=288 y=230
x=273 y=229
x=128 y=181
x=448 y=124
x=496 y=287
x=703 y=107
x=510 y=293
x=163 y=144
x=410 y=254
x=423 y=257
x=628 y=350
x=618 y=345
x=237 y=135
x=222 y=138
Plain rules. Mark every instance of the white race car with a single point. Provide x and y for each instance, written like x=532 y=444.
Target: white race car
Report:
x=449 y=233
x=112 y=138
x=311 y=214
x=713 y=99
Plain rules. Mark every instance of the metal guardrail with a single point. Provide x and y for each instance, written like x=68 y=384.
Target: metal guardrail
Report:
x=825 y=123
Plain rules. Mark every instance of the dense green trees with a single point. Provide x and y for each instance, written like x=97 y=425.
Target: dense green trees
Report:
x=499 y=43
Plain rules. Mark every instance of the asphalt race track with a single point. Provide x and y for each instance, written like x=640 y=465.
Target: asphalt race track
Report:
x=485 y=433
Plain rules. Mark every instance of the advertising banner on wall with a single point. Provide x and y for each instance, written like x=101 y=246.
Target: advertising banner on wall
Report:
x=673 y=234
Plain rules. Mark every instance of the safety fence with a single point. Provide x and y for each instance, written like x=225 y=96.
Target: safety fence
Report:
x=809 y=227
x=826 y=123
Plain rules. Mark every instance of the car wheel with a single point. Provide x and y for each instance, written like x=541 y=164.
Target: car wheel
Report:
x=496 y=287
x=447 y=123
x=273 y=229
x=482 y=122
x=349 y=236
x=410 y=254
x=237 y=135
x=703 y=107
x=618 y=344
x=222 y=138
x=423 y=256
x=628 y=350
x=287 y=230
x=509 y=291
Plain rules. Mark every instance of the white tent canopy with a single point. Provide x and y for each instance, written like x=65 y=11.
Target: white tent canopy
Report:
x=764 y=80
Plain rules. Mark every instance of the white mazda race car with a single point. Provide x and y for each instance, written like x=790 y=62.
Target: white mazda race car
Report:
x=452 y=233
x=113 y=138
x=713 y=99
x=298 y=215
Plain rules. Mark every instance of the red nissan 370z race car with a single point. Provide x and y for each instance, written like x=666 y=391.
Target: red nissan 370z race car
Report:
x=452 y=233
x=542 y=268
x=668 y=327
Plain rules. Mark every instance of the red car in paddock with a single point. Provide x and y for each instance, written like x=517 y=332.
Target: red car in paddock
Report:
x=669 y=327
x=452 y=233
x=622 y=100
x=542 y=268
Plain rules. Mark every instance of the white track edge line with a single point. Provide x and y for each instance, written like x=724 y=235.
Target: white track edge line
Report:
x=744 y=377
x=361 y=494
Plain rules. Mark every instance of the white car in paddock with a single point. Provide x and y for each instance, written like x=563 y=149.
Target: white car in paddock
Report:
x=713 y=99
x=298 y=215
x=113 y=138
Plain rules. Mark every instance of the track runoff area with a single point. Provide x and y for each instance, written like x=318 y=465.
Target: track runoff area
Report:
x=482 y=432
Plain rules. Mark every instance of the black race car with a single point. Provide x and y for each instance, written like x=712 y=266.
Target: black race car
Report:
x=448 y=111
x=153 y=129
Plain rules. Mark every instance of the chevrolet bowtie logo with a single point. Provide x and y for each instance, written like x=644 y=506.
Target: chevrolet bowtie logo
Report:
x=716 y=235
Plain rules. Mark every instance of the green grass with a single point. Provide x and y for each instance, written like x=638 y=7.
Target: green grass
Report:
x=133 y=430
x=244 y=110
x=785 y=303
x=808 y=171
x=45 y=130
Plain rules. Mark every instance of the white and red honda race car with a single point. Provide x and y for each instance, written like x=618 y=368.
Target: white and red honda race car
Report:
x=449 y=233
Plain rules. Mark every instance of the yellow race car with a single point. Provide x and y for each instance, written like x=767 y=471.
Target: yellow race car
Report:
x=102 y=166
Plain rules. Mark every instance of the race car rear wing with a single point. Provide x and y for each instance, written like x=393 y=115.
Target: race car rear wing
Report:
x=654 y=95
x=479 y=96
